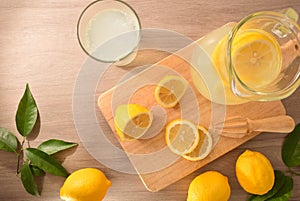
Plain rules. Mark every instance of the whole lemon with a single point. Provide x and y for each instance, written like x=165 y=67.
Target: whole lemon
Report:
x=209 y=186
x=254 y=172
x=88 y=184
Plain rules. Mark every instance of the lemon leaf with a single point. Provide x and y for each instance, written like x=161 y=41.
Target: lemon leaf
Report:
x=37 y=171
x=284 y=197
x=8 y=141
x=290 y=151
x=28 y=180
x=27 y=113
x=53 y=146
x=286 y=188
x=45 y=162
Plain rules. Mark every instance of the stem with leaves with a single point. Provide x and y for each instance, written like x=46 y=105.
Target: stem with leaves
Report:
x=32 y=161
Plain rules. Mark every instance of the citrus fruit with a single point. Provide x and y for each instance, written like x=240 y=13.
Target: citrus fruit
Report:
x=181 y=136
x=209 y=186
x=256 y=57
x=170 y=90
x=203 y=147
x=254 y=172
x=88 y=184
x=132 y=121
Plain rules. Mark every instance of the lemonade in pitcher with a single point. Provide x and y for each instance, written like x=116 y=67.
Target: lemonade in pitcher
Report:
x=255 y=59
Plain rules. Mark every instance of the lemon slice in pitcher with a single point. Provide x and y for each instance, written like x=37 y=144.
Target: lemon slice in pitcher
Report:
x=170 y=90
x=203 y=148
x=132 y=121
x=181 y=136
x=256 y=57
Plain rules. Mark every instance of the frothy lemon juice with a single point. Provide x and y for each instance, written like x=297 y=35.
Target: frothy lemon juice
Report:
x=112 y=34
x=109 y=31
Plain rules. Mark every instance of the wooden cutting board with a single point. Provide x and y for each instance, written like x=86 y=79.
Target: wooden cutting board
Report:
x=150 y=157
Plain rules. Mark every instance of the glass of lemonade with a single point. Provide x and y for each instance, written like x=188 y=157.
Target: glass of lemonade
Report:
x=257 y=58
x=109 y=31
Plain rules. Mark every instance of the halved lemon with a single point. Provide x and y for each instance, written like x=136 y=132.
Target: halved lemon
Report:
x=132 y=121
x=181 y=136
x=256 y=57
x=170 y=90
x=203 y=148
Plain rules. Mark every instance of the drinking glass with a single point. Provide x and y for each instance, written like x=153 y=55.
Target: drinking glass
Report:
x=109 y=31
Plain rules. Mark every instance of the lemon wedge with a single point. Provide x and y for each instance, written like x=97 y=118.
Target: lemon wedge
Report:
x=132 y=121
x=170 y=90
x=203 y=148
x=181 y=136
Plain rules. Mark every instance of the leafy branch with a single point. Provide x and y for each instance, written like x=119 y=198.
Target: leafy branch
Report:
x=38 y=161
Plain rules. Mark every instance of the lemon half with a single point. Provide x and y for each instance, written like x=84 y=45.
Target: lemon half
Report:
x=132 y=121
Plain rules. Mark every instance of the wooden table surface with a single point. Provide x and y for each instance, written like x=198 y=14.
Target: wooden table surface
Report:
x=39 y=46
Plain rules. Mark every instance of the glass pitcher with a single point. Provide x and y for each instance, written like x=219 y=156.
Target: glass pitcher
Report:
x=256 y=59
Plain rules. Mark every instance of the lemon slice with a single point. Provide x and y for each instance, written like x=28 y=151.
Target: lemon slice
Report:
x=181 y=136
x=170 y=90
x=132 y=121
x=256 y=57
x=203 y=148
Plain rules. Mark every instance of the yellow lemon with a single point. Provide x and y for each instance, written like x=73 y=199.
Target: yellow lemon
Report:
x=170 y=90
x=203 y=147
x=209 y=186
x=88 y=184
x=254 y=172
x=181 y=136
x=132 y=121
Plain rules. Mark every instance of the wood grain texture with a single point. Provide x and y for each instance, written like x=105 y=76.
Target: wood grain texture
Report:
x=39 y=46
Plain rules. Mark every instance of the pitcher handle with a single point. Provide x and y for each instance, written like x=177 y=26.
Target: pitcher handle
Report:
x=290 y=13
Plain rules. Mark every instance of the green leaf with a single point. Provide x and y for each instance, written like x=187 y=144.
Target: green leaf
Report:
x=287 y=187
x=8 y=141
x=45 y=162
x=27 y=113
x=284 y=197
x=28 y=180
x=290 y=151
x=53 y=146
x=37 y=171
